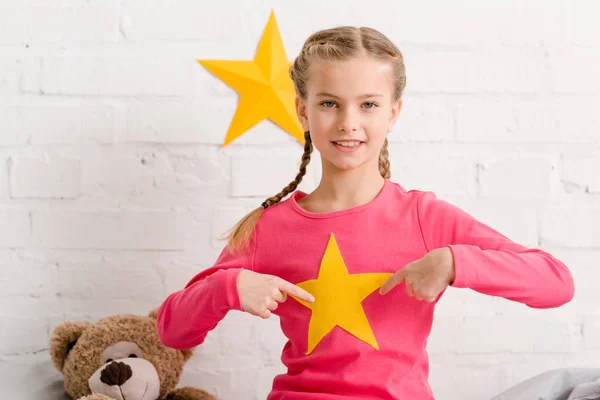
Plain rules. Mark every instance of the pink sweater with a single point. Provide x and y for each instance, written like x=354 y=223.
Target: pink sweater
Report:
x=374 y=348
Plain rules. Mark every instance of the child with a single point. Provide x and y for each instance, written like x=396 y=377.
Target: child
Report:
x=363 y=260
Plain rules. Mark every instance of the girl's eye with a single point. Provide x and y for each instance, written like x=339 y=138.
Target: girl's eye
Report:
x=370 y=104
x=327 y=104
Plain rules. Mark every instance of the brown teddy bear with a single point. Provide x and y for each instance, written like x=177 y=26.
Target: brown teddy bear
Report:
x=119 y=357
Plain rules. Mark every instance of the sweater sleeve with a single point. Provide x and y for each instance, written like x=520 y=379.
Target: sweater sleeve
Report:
x=186 y=316
x=488 y=262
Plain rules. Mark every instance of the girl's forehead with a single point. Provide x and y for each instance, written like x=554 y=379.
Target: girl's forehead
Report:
x=359 y=75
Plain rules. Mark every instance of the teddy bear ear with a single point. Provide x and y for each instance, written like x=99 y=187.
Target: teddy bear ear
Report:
x=187 y=353
x=154 y=313
x=63 y=339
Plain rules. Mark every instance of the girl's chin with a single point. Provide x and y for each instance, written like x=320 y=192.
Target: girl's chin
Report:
x=345 y=165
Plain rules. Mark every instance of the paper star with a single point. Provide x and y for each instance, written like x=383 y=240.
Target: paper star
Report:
x=265 y=87
x=338 y=297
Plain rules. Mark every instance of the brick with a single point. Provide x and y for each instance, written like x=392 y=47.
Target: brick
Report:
x=96 y=308
x=445 y=170
x=582 y=172
x=11 y=131
x=150 y=177
x=583 y=265
x=497 y=334
x=516 y=218
x=242 y=382
x=582 y=26
x=26 y=335
x=429 y=22
x=458 y=302
x=422 y=121
x=491 y=71
x=212 y=379
x=16 y=228
x=591 y=332
x=560 y=120
x=519 y=177
x=30 y=80
x=3 y=178
x=485 y=121
x=552 y=120
x=96 y=281
x=115 y=230
x=180 y=21
x=206 y=122
x=574 y=70
x=248 y=172
x=573 y=226
x=28 y=306
x=11 y=72
x=236 y=336
x=452 y=24
x=266 y=375
x=119 y=75
x=72 y=21
x=28 y=279
x=45 y=178
x=270 y=341
x=62 y=123
x=8 y=256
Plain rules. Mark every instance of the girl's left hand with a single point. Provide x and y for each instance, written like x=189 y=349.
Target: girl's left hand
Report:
x=426 y=277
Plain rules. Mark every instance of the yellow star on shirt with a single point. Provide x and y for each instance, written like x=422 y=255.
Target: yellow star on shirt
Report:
x=265 y=87
x=338 y=297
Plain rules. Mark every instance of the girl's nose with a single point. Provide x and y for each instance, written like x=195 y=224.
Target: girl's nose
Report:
x=348 y=122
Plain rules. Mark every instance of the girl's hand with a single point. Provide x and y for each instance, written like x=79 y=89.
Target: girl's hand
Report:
x=425 y=278
x=260 y=293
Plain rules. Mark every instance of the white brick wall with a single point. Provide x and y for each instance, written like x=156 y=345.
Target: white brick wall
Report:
x=110 y=164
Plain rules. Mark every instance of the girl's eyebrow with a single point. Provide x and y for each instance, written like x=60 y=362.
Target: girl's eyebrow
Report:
x=367 y=95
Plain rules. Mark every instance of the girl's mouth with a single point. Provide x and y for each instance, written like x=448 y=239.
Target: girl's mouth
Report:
x=348 y=146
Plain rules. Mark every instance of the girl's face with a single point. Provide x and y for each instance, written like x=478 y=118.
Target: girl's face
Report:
x=349 y=110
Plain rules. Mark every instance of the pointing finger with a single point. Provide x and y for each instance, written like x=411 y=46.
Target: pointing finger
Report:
x=392 y=282
x=296 y=291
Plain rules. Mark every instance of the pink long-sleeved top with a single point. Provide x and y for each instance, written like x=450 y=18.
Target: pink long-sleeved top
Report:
x=394 y=229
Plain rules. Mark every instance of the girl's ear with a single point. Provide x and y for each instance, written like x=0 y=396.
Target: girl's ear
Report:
x=396 y=107
x=301 y=111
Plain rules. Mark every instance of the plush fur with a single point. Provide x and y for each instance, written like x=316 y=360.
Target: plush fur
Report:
x=120 y=358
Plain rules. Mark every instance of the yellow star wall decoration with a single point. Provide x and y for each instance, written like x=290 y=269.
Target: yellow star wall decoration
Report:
x=338 y=297
x=264 y=85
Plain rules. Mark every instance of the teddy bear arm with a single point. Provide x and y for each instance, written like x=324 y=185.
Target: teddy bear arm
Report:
x=190 y=393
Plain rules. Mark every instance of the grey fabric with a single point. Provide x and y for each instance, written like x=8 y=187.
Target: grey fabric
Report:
x=586 y=391
x=559 y=384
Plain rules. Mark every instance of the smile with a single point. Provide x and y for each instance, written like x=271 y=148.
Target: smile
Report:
x=348 y=145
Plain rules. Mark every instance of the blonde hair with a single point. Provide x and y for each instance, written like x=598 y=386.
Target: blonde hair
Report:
x=335 y=44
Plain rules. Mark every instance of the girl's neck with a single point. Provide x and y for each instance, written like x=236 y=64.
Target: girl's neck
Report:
x=340 y=190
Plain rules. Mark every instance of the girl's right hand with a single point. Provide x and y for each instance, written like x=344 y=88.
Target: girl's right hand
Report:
x=261 y=293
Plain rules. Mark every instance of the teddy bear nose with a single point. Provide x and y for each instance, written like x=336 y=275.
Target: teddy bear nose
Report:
x=116 y=373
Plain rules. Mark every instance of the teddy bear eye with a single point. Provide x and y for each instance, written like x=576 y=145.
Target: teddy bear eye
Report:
x=132 y=356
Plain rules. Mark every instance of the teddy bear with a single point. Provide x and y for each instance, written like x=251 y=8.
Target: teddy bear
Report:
x=119 y=358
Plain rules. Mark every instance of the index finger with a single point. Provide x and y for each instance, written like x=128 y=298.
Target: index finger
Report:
x=393 y=281
x=295 y=291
